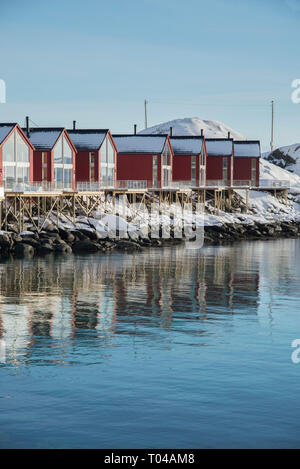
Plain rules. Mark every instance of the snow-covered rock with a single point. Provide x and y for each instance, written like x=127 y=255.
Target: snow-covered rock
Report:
x=287 y=157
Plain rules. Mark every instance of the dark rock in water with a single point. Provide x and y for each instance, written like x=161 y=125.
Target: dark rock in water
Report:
x=5 y=241
x=145 y=242
x=63 y=248
x=84 y=246
x=66 y=235
x=128 y=245
x=46 y=241
x=79 y=235
x=22 y=249
x=45 y=248
x=31 y=241
x=91 y=234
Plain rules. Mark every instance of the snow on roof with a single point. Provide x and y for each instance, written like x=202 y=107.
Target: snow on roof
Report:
x=44 y=138
x=219 y=147
x=247 y=149
x=140 y=143
x=5 y=129
x=87 y=139
x=187 y=145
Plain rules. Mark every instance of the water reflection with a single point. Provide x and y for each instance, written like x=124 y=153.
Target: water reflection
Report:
x=49 y=306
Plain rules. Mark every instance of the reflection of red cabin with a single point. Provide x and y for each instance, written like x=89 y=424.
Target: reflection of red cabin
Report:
x=16 y=156
x=147 y=158
x=189 y=161
x=54 y=157
x=96 y=156
x=219 y=163
x=246 y=161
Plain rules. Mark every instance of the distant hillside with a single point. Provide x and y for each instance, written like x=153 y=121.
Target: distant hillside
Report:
x=193 y=126
x=287 y=157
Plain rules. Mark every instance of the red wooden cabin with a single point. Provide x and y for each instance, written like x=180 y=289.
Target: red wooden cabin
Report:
x=146 y=159
x=96 y=158
x=246 y=161
x=53 y=157
x=189 y=161
x=219 y=163
x=16 y=157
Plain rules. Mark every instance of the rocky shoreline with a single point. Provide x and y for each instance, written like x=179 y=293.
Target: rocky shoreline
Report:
x=62 y=241
x=229 y=232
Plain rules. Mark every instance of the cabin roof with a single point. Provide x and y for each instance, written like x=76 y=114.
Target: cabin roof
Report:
x=5 y=130
x=219 y=146
x=247 y=148
x=87 y=139
x=44 y=138
x=187 y=145
x=140 y=143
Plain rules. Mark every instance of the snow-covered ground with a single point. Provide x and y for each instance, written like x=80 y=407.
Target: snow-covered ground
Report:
x=271 y=171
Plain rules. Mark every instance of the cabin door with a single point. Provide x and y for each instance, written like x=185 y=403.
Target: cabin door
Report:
x=44 y=166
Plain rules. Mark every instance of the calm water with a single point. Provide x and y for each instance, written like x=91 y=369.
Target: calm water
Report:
x=165 y=348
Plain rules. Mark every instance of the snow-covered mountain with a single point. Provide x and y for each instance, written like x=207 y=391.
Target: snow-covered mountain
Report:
x=193 y=126
x=287 y=157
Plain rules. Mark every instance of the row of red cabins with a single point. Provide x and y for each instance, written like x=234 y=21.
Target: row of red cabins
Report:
x=91 y=159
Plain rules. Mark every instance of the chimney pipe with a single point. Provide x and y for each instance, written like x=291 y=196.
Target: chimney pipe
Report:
x=74 y=125
x=27 y=126
x=171 y=131
x=228 y=135
x=201 y=132
x=134 y=129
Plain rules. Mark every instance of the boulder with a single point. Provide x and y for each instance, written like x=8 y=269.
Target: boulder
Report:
x=85 y=246
x=23 y=249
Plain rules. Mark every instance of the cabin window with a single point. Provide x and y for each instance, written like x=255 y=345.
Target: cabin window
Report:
x=193 y=169
x=253 y=171
x=202 y=157
x=92 y=167
x=225 y=172
x=44 y=166
x=166 y=167
x=154 y=170
x=107 y=157
x=15 y=157
x=63 y=164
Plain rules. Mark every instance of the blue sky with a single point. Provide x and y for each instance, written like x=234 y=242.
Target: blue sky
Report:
x=96 y=61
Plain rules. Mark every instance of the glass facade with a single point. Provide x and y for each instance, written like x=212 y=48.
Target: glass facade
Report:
x=107 y=157
x=16 y=160
x=63 y=164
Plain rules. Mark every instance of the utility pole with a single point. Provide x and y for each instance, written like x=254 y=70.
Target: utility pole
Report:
x=146 y=116
x=272 y=125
